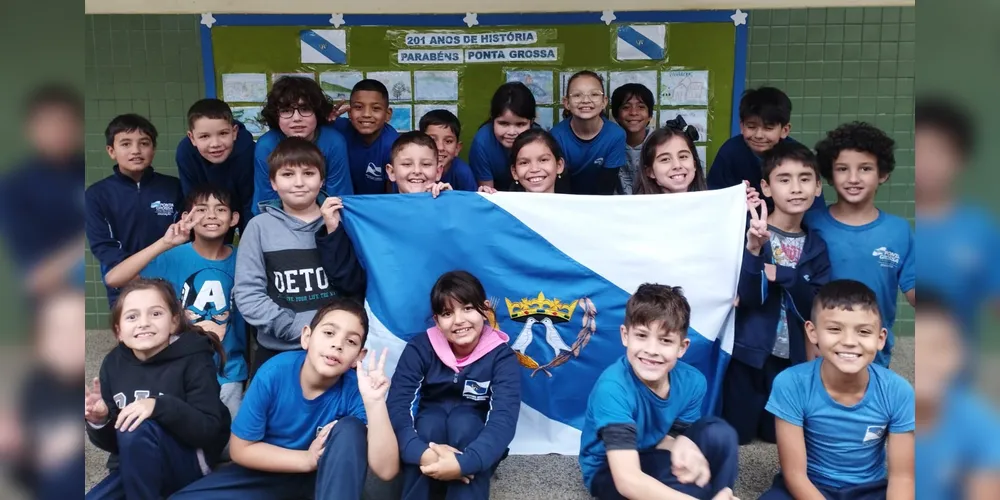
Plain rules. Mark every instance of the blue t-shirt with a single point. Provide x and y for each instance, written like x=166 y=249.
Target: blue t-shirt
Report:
x=205 y=289
x=585 y=159
x=330 y=142
x=845 y=445
x=619 y=397
x=879 y=254
x=490 y=161
x=459 y=175
x=367 y=161
x=955 y=254
x=274 y=410
x=964 y=441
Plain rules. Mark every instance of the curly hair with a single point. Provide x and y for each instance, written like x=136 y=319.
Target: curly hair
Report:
x=857 y=136
x=288 y=92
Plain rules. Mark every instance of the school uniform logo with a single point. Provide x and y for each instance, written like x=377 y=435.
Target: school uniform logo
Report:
x=547 y=313
x=886 y=258
x=373 y=172
x=476 y=390
x=161 y=208
x=599 y=161
x=874 y=433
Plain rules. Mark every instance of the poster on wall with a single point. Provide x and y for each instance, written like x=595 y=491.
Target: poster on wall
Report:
x=338 y=84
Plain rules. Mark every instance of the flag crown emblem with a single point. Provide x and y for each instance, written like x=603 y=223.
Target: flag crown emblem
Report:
x=540 y=306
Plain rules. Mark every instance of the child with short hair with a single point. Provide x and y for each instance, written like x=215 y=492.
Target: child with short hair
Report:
x=414 y=165
x=644 y=435
x=632 y=106
x=537 y=163
x=837 y=415
x=784 y=265
x=368 y=135
x=295 y=256
x=957 y=429
x=512 y=111
x=765 y=120
x=202 y=274
x=155 y=406
x=443 y=126
x=313 y=420
x=594 y=146
x=218 y=151
x=130 y=209
x=297 y=107
x=865 y=243
x=468 y=384
x=957 y=238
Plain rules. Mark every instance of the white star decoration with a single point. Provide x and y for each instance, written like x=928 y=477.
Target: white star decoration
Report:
x=337 y=20
x=207 y=19
x=739 y=17
x=471 y=19
x=608 y=16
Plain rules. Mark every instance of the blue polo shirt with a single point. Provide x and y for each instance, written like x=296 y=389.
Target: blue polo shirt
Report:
x=585 y=159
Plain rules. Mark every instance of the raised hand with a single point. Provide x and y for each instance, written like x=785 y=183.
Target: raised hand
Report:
x=372 y=382
x=758 y=234
x=317 y=447
x=338 y=109
x=753 y=197
x=180 y=232
x=486 y=189
x=331 y=213
x=438 y=187
x=95 y=410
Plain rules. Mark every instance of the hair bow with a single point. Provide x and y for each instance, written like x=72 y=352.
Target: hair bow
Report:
x=679 y=124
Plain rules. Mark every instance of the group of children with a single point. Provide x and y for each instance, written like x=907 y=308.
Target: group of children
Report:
x=816 y=304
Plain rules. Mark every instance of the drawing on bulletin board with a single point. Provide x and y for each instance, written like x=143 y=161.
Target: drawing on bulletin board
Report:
x=694 y=61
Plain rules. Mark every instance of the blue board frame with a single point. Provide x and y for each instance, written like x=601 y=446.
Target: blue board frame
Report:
x=504 y=20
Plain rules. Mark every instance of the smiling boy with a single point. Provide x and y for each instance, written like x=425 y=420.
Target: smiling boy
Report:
x=368 y=135
x=414 y=166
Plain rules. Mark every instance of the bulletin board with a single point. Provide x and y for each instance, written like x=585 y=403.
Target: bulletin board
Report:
x=693 y=61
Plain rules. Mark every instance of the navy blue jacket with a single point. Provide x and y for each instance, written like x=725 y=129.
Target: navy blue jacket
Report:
x=234 y=175
x=759 y=309
x=124 y=216
x=736 y=162
x=423 y=381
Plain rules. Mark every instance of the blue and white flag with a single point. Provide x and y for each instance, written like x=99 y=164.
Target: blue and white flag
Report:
x=324 y=46
x=558 y=270
x=641 y=42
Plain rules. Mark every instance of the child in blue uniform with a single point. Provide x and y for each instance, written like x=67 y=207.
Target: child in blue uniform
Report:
x=865 y=243
x=455 y=396
x=957 y=239
x=765 y=120
x=368 y=135
x=644 y=435
x=841 y=420
x=632 y=106
x=784 y=265
x=538 y=164
x=218 y=151
x=297 y=107
x=593 y=145
x=313 y=420
x=443 y=126
x=202 y=275
x=512 y=111
x=133 y=207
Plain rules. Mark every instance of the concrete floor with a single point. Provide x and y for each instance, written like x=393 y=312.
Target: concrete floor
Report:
x=537 y=477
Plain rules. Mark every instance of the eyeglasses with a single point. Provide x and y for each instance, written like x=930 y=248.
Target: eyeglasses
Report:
x=579 y=97
x=290 y=112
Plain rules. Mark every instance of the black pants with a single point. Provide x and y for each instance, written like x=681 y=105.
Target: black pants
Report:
x=745 y=391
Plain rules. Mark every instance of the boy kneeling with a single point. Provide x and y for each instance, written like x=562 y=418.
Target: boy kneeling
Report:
x=644 y=435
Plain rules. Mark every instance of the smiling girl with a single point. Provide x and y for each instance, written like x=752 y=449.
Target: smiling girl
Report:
x=512 y=111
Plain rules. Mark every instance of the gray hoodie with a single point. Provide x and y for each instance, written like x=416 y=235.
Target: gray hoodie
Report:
x=287 y=269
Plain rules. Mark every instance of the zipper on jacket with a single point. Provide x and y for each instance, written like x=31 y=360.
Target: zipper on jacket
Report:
x=455 y=379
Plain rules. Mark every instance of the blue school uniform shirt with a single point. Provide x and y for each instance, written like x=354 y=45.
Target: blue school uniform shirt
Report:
x=330 y=142
x=619 y=397
x=274 y=410
x=845 y=445
x=490 y=161
x=879 y=254
x=585 y=159
x=955 y=254
x=367 y=161
x=736 y=162
x=459 y=175
x=964 y=441
x=205 y=289
x=235 y=175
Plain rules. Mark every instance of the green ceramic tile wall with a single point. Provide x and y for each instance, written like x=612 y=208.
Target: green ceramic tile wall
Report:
x=837 y=65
